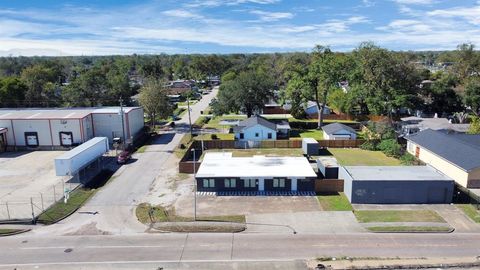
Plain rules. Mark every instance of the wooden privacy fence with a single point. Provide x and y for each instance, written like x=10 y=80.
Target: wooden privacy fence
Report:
x=340 y=143
x=328 y=185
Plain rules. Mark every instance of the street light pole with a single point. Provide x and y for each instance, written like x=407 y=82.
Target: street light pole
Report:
x=195 y=188
x=123 y=124
x=189 y=118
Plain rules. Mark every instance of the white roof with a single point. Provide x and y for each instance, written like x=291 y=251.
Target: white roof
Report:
x=225 y=165
x=309 y=140
x=57 y=113
x=395 y=173
x=328 y=161
x=82 y=147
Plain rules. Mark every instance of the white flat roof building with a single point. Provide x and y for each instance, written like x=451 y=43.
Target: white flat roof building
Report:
x=221 y=165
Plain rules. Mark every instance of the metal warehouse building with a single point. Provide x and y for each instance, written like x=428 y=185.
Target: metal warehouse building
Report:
x=396 y=185
x=59 y=128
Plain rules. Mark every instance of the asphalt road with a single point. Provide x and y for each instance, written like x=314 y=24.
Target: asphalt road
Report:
x=213 y=248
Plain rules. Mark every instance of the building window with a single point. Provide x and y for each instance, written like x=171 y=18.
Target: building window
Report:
x=256 y=134
x=242 y=136
x=230 y=183
x=279 y=183
x=269 y=135
x=208 y=183
x=250 y=183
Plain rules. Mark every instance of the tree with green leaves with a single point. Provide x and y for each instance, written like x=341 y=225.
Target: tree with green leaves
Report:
x=89 y=89
x=12 y=92
x=318 y=79
x=39 y=81
x=154 y=100
x=247 y=92
x=474 y=125
x=472 y=95
x=442 y=96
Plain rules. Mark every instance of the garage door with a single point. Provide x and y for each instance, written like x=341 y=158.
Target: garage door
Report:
x=31 y=139
x=66 y=138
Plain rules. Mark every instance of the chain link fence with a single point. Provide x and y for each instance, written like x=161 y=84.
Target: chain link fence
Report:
x=27 y=208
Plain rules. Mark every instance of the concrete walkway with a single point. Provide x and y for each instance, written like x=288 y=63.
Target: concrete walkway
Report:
x=304 y=222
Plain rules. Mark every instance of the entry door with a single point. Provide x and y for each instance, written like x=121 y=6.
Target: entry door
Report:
x=66 y=138
x=31 y=139
x=417 y=152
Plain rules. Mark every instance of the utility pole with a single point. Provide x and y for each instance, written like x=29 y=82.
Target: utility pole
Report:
x=123 y=124
x=189 y=118
x=195 y=188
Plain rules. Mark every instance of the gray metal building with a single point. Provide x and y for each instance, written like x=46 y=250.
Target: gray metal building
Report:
x=396 y=185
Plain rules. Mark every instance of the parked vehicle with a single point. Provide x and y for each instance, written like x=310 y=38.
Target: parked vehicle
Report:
x=123 y=157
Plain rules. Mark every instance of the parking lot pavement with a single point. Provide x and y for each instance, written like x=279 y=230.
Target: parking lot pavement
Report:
x=304 y=222
x=245 y=205
x=25 y=175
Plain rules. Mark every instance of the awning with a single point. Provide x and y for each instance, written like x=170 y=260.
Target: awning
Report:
x=3 y=130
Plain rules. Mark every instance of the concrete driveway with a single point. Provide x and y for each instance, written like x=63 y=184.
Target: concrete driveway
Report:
x=25 y=176
x=304 y=222
x=245 y=205
x=116 y=202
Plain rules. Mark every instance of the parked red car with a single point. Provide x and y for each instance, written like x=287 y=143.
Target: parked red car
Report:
x=123 y=157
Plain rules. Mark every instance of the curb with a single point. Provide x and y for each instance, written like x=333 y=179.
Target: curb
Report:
x=15 y=232
x=449 y=231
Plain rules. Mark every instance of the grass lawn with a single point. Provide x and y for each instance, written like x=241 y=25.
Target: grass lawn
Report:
x=271 y=152
x=334 y=202
x=471 y=211
x=291 y=119
x=366 y=216
x=298 y=134
x=409 y=229
x=359 y=157
x=8 y=231
x=160 y=214
x=215 y=122
x=60 y=209
x=220 y=136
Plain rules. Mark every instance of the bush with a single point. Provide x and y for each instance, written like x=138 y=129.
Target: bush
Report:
x=214 y=136
x=408 y=159
x=369 y=145
x=390 y=147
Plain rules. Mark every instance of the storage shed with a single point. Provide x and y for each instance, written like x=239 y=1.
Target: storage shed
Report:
x=327 y=167
x=310 y=146
x=396 y=185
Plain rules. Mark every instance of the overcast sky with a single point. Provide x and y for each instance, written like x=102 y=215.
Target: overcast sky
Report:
x=103 y=27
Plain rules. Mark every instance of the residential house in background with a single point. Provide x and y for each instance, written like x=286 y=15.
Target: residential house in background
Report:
x=455 y=155
x=311 y=109
x=257 y=128
x=179 y=87
x=413 y=124
x=221 y=172
x=337 y=131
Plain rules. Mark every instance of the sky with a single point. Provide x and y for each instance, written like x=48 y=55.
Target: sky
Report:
x=106 y=27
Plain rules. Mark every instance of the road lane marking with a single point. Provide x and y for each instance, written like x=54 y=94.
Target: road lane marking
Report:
x=100 y=247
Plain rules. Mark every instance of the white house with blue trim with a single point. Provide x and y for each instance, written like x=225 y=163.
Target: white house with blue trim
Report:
x=257 y=128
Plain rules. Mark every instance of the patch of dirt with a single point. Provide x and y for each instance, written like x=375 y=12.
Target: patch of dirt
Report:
x=89 y=229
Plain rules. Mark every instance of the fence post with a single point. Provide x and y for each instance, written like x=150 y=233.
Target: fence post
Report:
x=33 y=212
x=8 y=211
x=41 y=197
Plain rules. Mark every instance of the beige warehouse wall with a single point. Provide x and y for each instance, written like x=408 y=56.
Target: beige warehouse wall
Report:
x=40 y=126
x=460 y=176
x=66 y=125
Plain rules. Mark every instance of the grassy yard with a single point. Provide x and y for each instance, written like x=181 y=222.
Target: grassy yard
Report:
x=409 y=229
x=298 y=134
x=366 y=216
x=359 y=157
x=4 y=232
x=147 y=213
x=291 y=119
x=471 y=211
x=272 y=152
x=220 y=136
x=215 y=122
x=334 y=202
x=60 y=209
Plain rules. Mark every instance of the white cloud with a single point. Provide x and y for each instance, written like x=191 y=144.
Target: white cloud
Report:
x=471 y=14
x=415 y=2
x=180 y=13
x=271 y=16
